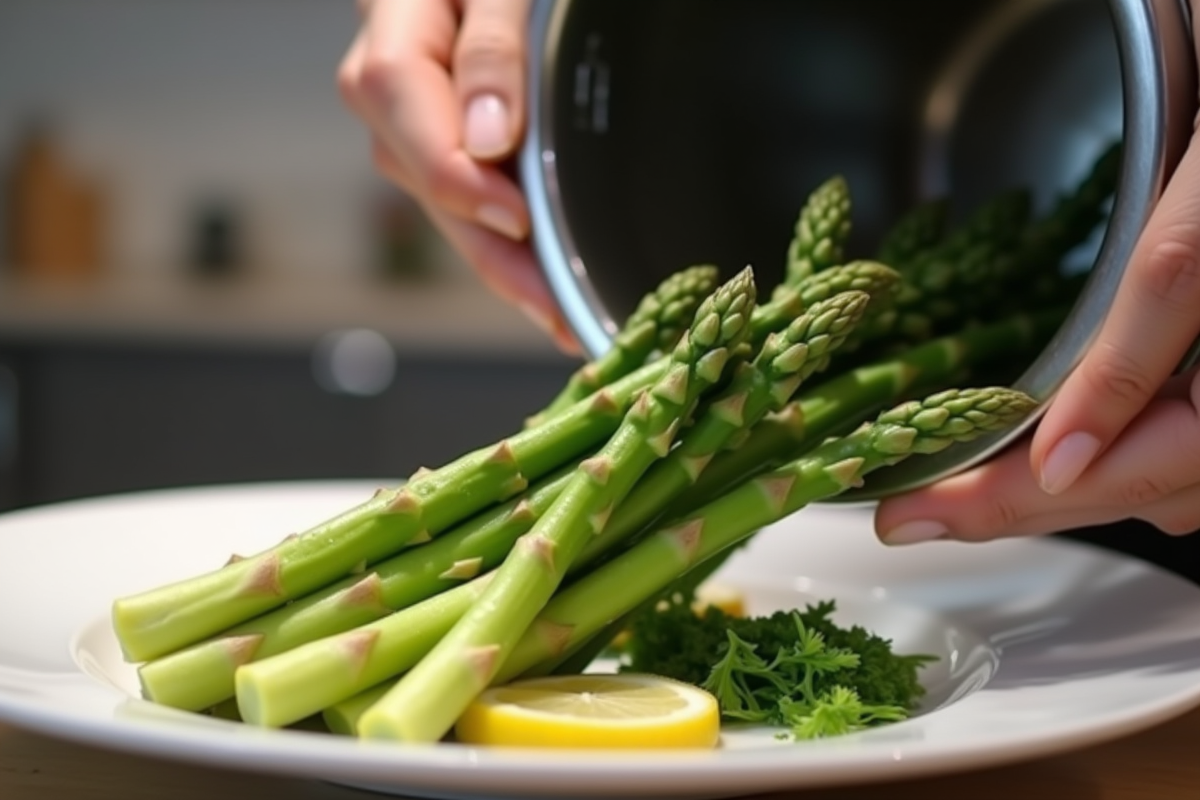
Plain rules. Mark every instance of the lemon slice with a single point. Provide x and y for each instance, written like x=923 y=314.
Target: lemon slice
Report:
x=722 y=596
x=595 y=711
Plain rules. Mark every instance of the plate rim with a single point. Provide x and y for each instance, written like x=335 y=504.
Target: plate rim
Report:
x=301 y=754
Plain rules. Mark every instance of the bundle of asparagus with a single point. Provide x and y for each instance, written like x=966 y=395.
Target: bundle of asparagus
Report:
x=703 y=424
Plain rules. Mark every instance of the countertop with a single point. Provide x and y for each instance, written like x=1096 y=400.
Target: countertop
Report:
x=1158 y=764
x=450 y=313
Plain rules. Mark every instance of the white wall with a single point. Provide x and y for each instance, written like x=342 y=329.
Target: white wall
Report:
x=172 y=99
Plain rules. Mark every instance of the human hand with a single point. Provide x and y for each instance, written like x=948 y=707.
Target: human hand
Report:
x=1121 y=439
x=440 y=84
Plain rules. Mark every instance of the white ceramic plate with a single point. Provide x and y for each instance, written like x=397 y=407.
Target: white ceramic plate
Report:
x=1044 y=646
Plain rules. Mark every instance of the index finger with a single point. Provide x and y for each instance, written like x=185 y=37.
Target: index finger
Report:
x=1153 y=321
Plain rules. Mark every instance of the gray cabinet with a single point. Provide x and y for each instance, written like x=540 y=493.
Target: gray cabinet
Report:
x=98 y=419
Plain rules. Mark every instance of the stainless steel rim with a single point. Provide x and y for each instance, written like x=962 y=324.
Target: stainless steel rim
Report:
x=591 y=322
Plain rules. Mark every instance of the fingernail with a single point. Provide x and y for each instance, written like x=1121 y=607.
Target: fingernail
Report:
x=487 y=127
x=919 y=530
x=500 y=220
x=1067 y=461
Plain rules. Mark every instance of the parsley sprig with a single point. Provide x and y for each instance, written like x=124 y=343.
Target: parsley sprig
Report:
x=794 y=669
x=781 y=692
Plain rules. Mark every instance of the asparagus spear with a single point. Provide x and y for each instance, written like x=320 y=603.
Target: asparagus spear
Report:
x=764 y=385
x=269 y=689
x=656 y=324
x=1034 y=266
x=1075 y=215
x=641 y=573
x=1000 y=254
x=162 y=620
x=925 y=426
x=425 y=703
x=280 y=690
x=832 y=407
x=479 y=544
x=159 y=621
x=991 y=229
x=342 y=718
x=822 y=228
x=914 y=233
x=202 y=675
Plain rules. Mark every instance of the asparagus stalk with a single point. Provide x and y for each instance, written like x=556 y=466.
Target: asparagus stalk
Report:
x=822 y=228
x=270 y=691
x=999 y=222
x=643 y=571
x=342 y=718
x=999 y=254
x=428 y=699
x=1075 y=215
x=914 y=233
x=202 y=675
x=1035 y=264
x=830 y=408
x=656 y=324
x=288 y=687
x=990 y=229
x=759 y=387
x=161 y=620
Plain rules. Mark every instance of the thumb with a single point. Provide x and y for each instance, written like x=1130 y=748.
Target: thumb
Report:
x=489 y=75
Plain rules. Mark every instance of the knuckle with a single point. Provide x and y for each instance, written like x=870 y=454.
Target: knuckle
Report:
x=380 y=72
x=1144 y=490
x=993 y=518
x=1117 y=375
x=486 y=47
x=1170 y=274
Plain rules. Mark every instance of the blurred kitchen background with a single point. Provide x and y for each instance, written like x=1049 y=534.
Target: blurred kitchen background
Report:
x=204 y=281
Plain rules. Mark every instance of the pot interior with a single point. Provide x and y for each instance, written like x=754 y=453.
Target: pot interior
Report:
x=693 y=131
